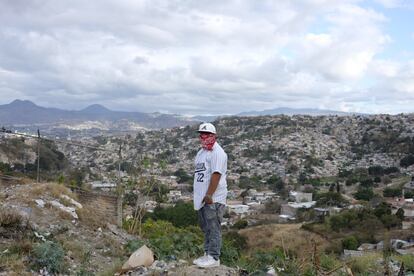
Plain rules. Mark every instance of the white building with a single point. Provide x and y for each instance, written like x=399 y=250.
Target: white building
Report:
x=238 y=209
x=300 y=197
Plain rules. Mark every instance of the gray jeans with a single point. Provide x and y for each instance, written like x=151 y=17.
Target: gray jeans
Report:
x=210 y=217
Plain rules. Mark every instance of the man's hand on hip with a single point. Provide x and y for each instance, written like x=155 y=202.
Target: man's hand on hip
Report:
x=207 y=199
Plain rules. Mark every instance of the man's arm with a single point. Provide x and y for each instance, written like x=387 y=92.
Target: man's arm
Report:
x=215 y=179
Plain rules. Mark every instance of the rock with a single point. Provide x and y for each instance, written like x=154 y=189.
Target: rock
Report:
x=62 y=207
x=120 y=233
x=72 y=201
x=39 y=236
x=40 y=203
x=142 y=257
x=196 y=271
x=271 y=271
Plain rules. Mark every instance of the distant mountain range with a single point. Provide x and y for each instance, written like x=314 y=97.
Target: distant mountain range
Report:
x=282 y=111
x=26 y=113
x=296 y=111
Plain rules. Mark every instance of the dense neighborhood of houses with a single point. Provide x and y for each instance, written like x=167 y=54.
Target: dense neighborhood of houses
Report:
x=278 y=166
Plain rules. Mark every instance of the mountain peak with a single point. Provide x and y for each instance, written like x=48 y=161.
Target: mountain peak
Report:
x=22 y=103
x=95 y=108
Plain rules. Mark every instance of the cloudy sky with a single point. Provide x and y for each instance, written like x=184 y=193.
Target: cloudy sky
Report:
x=209 y=57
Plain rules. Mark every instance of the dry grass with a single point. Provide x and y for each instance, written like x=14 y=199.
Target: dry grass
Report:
x=288 y=236
x=10 y=218
x=113 y=267
x=13 y=265
x=115 y=248
x=53 y=189
x=76 y=248
x=89 y=216
x=65 y=202
x=367 y=265
x=64 y=215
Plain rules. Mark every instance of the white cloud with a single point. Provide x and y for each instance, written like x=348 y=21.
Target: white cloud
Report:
x=389 y=3
x=194 y=57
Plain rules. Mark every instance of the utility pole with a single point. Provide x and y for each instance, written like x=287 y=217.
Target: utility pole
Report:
x=38 y=155
x=120 y=190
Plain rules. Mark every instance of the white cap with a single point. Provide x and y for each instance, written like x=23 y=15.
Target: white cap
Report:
x=207 y=127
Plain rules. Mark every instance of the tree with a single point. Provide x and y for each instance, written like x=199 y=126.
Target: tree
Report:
x=392 y=192
x=376 y=171
x=367 y=182
x=330 y=199
x=382 y=209
x=400 y=213
x=350 y=243
x=390 y=221
x=5 y=168
x=276 y=183
x=407 y=161
x=364 y=193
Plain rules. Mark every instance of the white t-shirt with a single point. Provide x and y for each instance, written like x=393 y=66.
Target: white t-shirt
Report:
x=206 y=163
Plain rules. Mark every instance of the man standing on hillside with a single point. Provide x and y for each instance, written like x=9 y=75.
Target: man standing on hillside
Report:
x=210 y=193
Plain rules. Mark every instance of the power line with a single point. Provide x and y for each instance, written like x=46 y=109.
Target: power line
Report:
x=78 y=144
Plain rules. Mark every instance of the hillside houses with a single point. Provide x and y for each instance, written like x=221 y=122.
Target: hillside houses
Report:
x=299 y=201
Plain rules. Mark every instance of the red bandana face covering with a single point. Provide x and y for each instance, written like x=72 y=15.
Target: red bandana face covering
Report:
x=207 y=140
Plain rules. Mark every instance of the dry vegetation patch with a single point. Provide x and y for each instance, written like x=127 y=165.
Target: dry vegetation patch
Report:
x=90 y=216
x=53 y=189
x=290 y=237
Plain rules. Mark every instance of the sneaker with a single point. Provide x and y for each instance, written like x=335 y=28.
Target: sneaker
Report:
x=196 y=261
x=208 y=261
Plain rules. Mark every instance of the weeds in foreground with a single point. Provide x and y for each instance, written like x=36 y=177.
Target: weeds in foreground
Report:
x=10 y=218
x=49 y=255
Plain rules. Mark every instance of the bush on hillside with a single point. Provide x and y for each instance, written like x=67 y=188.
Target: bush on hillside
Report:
x=10 y=218
x=181 y=215
x=240 y=224
x=49 y=255
x=364 y=194
x=392 y=192
x=5 y=168
x=407 y=161
x=167 y=240
x=330 y=199
x=350 y=243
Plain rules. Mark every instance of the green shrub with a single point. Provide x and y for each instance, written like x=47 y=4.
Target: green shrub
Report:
x=240 y=224
x=183 y=245
x=350 y=243
x=407 y=161
x=167 y=240
x=154 y=229
x=236 y=240
x=49 y=255
x=5 y=168
x=364 y=193
x=328 y=262
x=392 y=192
x=367 y=264
x=330 y=199
x=400 y=213
x=132 y=246
x=408 y=261
x=408 y=194
x=260 y=260
x=233 y=244
x=181 y=215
